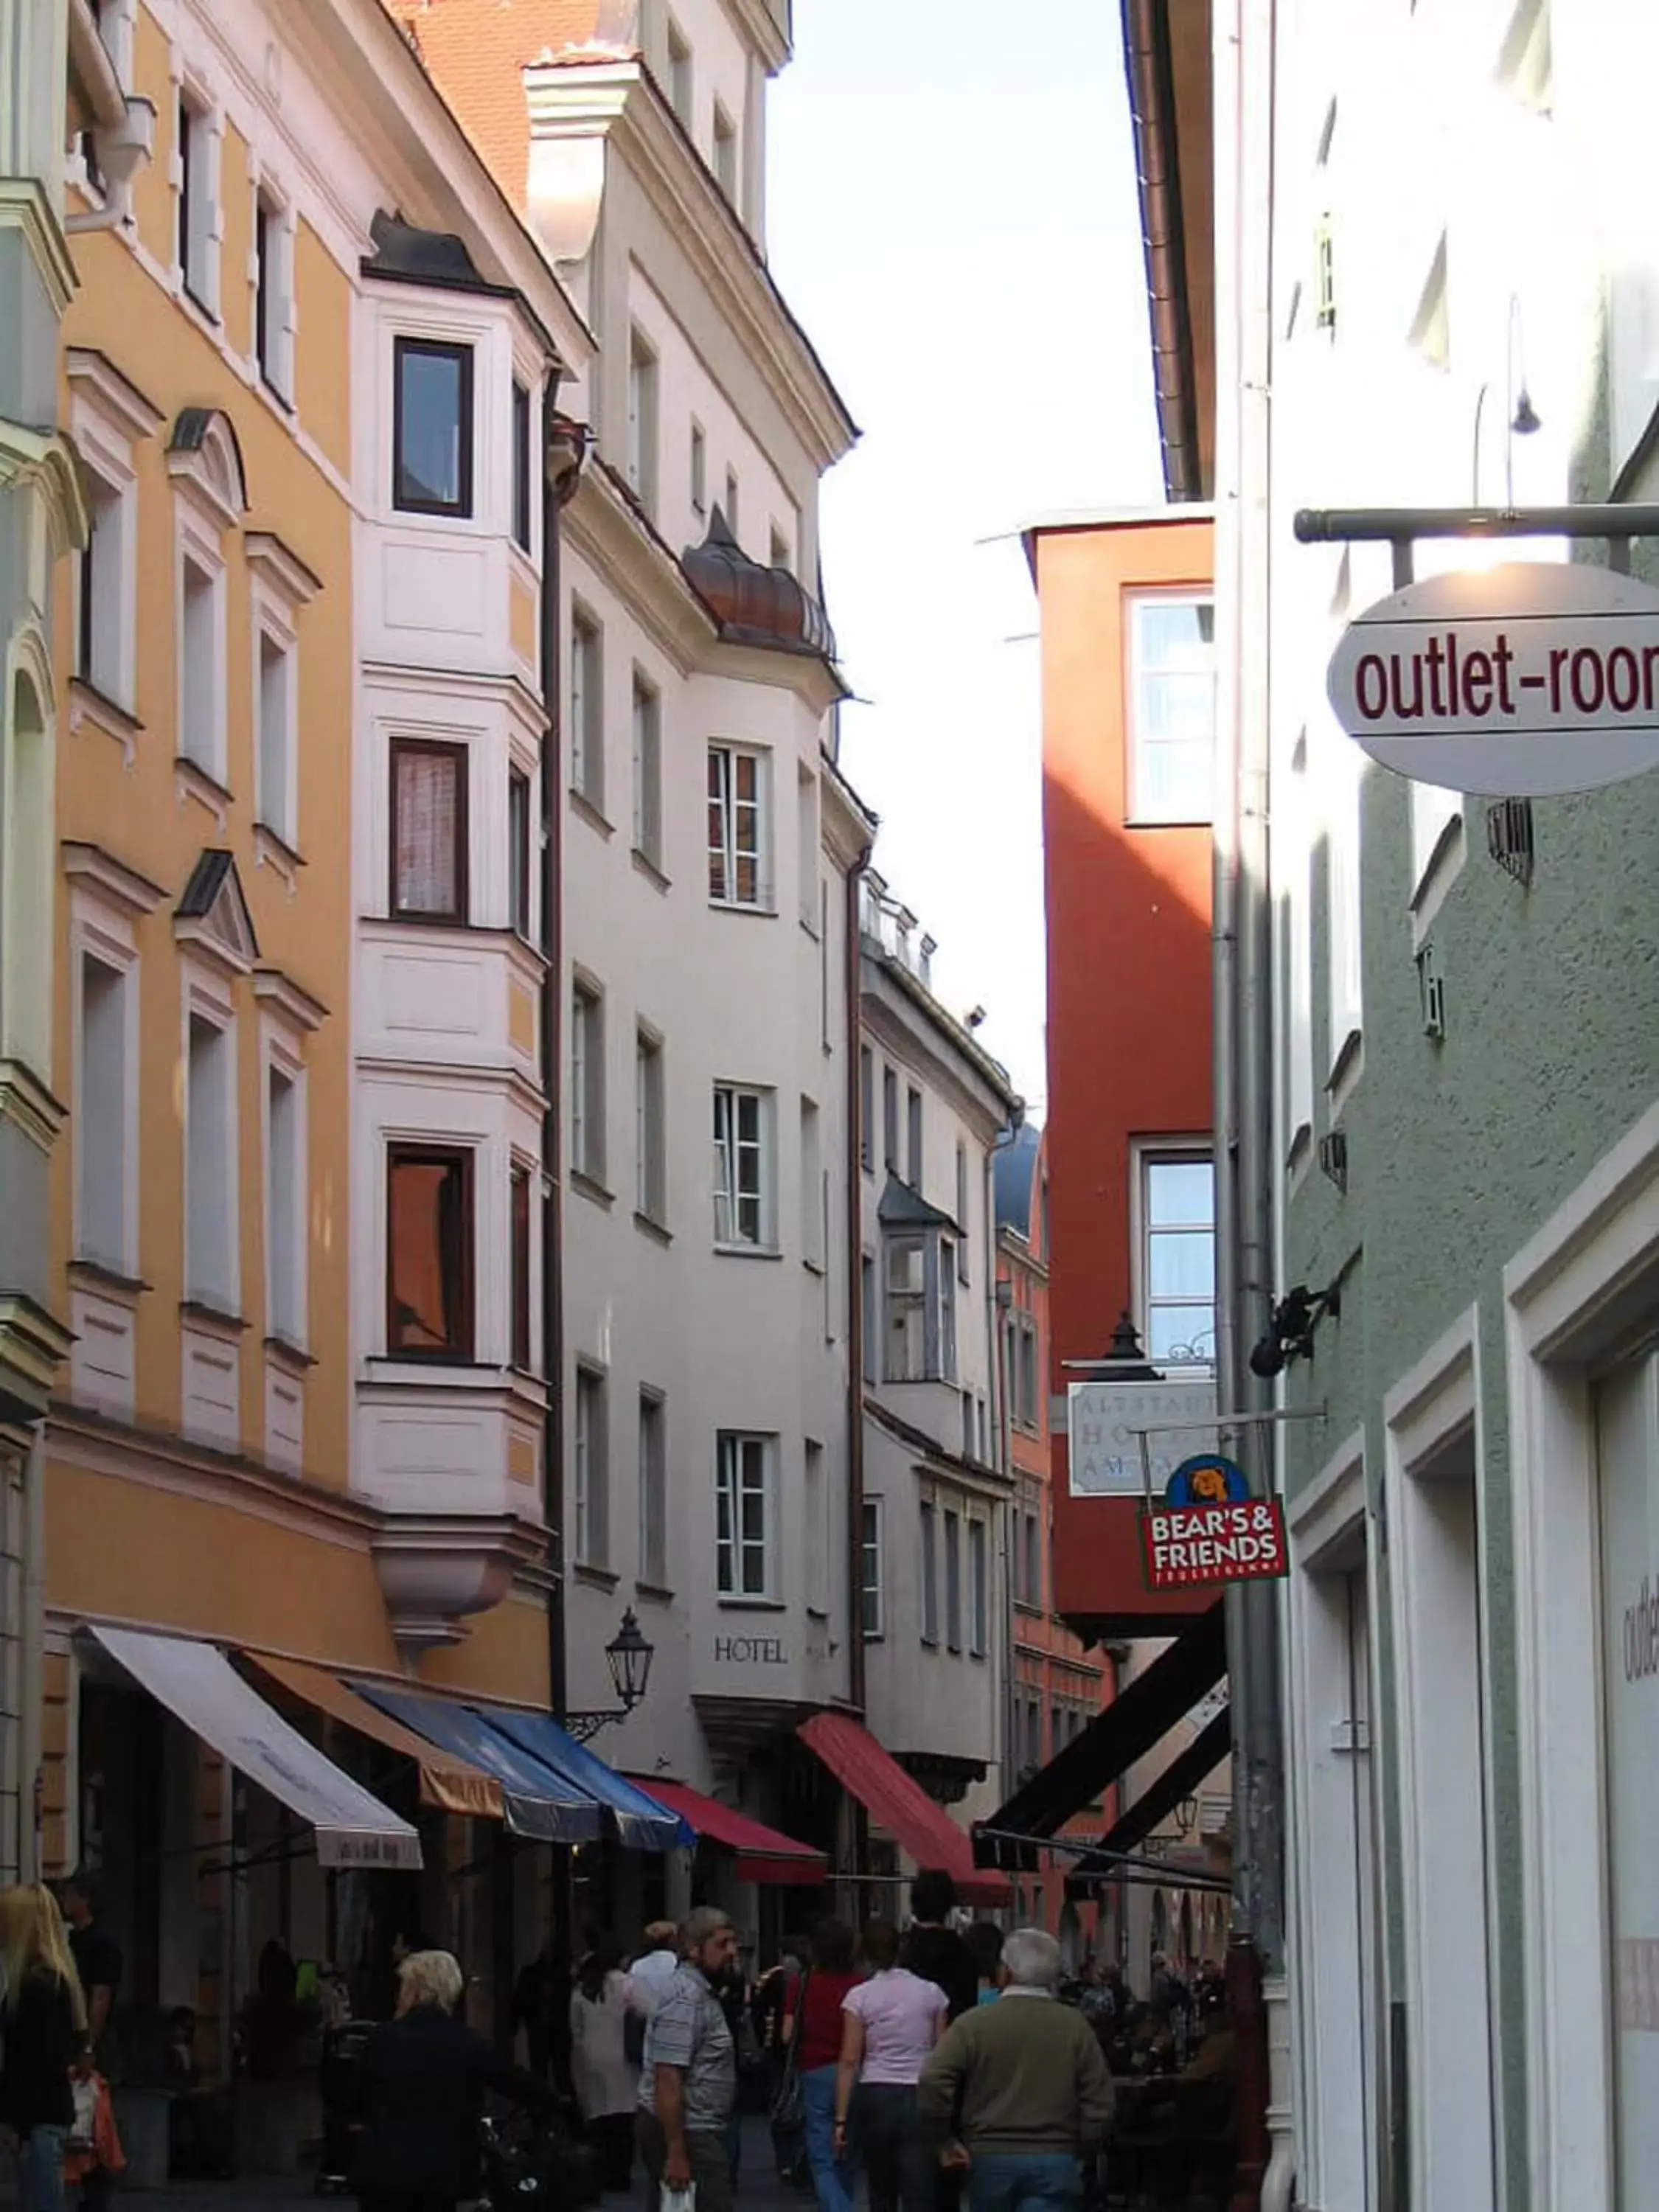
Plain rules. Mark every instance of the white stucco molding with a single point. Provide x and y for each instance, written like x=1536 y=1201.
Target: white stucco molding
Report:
x=1569 y=1292
x=1323 y=1517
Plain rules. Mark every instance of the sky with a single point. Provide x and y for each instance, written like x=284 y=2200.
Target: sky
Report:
x=952 y=215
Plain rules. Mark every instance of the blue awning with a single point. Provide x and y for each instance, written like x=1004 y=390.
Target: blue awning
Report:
x=642 y=1824
x=540 y=1802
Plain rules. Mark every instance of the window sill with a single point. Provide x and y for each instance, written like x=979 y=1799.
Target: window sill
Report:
x=761 y=910
x=217 y=1320
x=748 y=1252
x=604 y=1578
x=272 y=850
x=648 y=1225
x=817 y=1612
x=582 y=805
x=204 y=786
x=656 y=1593
x=189 y=299
x=751 y=1604
x=1347 y=1068
x=442 y=1363
x=1029 y=1608
x=273 y=391
x=288 y=1354
x=646 y=867
x=591 y=1189
x=1169 y=821
x=929 y=1642
x=88 y=704
x=810 y=927
x=96 y=1275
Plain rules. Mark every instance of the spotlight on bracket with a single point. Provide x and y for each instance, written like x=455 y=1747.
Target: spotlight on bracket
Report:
x=1291 y=1333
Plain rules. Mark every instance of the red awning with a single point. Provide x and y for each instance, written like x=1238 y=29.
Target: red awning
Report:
x=899 y=1801
x=763 y=1854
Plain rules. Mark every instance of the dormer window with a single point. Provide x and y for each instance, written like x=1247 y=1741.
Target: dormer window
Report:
x=431 y=428
x=919 y=1275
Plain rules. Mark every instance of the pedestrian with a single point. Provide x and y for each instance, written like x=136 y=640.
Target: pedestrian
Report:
x=889 y=2023
x=830 y=1979
x=422 y=2080
x=43 y=2025
x=932 y=1948
x=984 y=1941
x=655 y=1968
x=1017 y=2093
x=688 y=2083
x=606 y=2080
x=98 y=1962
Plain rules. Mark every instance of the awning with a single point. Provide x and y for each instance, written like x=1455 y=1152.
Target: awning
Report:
x=539 y=1802
x=1179 y=1779
x=763 y=1854
x=642 y=1822
x=198 y=1683
x=1111 y=1743
x=899 y=1804
x=447 y=1783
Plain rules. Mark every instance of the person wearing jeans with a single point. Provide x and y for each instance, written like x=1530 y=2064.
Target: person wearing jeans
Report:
x=1017 y=2092
x=815 y=2052
x=889 y=2023
x=44 y=2028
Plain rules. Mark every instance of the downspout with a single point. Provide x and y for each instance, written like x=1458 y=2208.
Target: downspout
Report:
x=1152 y=108
x=853 y=966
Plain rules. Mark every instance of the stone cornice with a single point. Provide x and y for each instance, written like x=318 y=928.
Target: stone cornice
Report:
x=33 y=1344
x=24 y=206
x=288 y=1000
x=27 y=1103
x=44 y=462
x=618 y=102
x=601 y=526
x=111 y=879
x=758 y=21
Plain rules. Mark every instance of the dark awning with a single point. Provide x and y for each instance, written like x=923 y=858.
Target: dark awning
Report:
x=1128 y=1729
x=539 y=1802
x=1179 y=1779
x=642 y=1822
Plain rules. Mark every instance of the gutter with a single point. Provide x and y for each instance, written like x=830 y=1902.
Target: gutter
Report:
x=1151 y=113
x=853 y=964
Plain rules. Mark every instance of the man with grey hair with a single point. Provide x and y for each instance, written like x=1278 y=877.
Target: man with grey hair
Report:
x=689 y=2079
x=1017 y=2092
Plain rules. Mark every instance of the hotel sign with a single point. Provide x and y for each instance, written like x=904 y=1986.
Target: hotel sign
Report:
x=1105 y=1423
x=1523 y=682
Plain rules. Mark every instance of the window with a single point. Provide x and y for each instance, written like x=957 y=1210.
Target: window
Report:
x=210 y=1255
x=103 y=1115
x=275 y=734
x=1178 y=1255
x=874 y=1617
x=591 y=1471
x=654 y=1490
x=1030 y=1557
x=907 y=1308
x=197 y=250
x=520 y=465
x=731 y=520
x=428 y=1252
x=428 y=833
x=953 y=1580
x=1024 y=1410
x=518 y=851
x=738 y=842
x=963 y=1222
x=889 y=1119
x=870 y=1315
x=586 y=706
x=777 y=548
x=742 y=1516
x=285 y=1210
x=969 y=1425
x=102 y=594
x=273 y=294
x=587 y=1082
x=726 y=153
x=979 y=1590
x=912 y=1133
x=650 y=1162
x=811 y=1186
x=1172 y=665
x=742 y=1181
x=431 y=428
x=643 y=419
x=647 y=769
x=806 y=848
x=699 y=470
x=201 y=665
x=815 y=1504
x=945 y=1277
x=867 y=1108
x=519 y=1214
x=929 y=1574
x=679 y=73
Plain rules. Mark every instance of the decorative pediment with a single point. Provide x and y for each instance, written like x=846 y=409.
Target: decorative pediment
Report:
x=205 y=455
x=213 y=914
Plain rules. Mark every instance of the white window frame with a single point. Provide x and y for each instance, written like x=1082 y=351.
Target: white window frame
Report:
x=277 y=373
x=1140 y=810
x=723 y=756
x=208 y=999
x=279 y=584
x=952 y=1516
x=873 y=1623
x=198 y=546
x=808 y=845
x=699 y=468
x=813 y=1227
x=650 y=1126
x=734 y=1470
x=100 y=934
x=206 y=225
x=733 y=496
x=979 y=1588
x=108 y=417
x=280 y=1055
x=587 y=705
x=682 y=81
x=647 y=735
x=1144 y=1154
x=653 y=1488
x=724 y=156
x=965 y=1203
x=816 y=1512
x=590 y=1468
x=588 y=1074
x=728 y=1191
x=644 y=395
x=927 y=1578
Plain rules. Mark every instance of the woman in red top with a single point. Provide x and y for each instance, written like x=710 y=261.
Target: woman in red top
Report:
x=818 y=2049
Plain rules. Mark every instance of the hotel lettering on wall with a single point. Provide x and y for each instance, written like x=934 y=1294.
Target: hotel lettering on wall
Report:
x=1528 y=681
x=750 y=1651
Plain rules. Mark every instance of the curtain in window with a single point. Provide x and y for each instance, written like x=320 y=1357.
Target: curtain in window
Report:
x=426 y=876
x=427 y=1234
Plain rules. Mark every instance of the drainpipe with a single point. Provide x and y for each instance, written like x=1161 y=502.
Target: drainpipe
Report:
x=1151 y=101
x=853 y=960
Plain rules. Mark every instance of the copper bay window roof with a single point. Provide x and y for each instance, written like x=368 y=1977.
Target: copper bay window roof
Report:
x=754 y=605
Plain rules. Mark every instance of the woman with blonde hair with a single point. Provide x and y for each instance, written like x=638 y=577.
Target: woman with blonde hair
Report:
x=44 y=2025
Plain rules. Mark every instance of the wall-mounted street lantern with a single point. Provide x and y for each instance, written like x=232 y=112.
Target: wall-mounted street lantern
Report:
x=629 y=1655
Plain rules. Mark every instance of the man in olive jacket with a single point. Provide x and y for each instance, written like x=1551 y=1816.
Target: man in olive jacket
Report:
x=1018 y=2089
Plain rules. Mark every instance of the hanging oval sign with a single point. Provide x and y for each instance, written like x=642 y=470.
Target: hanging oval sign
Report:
x=1520 y=683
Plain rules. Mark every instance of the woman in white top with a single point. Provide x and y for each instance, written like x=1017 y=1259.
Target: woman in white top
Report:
x=606 y=2078
x=889 y=2025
